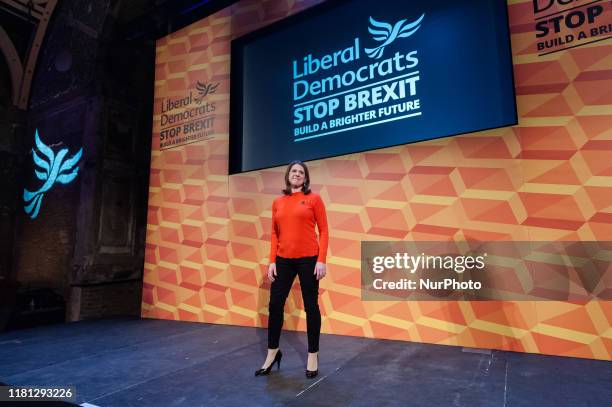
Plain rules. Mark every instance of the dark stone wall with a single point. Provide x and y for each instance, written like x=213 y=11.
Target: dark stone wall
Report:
x=106 y=299
x=45 y=245
x=91 y=89
x=69 y=61
x=12 y=122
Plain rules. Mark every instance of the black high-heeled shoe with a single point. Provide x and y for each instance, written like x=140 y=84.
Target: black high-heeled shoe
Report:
x=310 y=374
x=267 y=370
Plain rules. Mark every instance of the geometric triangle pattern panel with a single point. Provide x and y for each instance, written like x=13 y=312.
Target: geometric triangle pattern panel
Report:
x=548 y=178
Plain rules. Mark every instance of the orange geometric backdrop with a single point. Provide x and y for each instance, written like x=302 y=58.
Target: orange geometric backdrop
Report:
x=548 y=178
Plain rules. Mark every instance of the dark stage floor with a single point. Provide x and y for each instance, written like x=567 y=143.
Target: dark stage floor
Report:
x=133 y=362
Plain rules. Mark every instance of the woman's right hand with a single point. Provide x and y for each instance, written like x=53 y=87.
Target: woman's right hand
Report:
x=272 y=271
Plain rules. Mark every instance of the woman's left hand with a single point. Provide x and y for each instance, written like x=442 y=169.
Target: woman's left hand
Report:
x=319 y=270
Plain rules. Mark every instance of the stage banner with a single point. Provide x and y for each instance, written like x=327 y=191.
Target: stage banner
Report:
x=547 y=179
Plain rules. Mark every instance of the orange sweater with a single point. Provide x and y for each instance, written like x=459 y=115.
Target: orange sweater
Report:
x=293 y=227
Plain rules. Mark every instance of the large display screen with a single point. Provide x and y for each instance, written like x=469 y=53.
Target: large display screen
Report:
x=351 y=76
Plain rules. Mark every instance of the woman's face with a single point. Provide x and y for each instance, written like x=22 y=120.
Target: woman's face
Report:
x=296 y=176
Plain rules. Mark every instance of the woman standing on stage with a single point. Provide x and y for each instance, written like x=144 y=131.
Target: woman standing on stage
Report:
x=295 y=251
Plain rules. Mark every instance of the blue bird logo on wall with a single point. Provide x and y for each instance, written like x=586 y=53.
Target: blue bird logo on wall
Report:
x=387 y=34
x=55 y=169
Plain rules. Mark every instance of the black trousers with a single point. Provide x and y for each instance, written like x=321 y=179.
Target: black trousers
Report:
x=286 y=270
